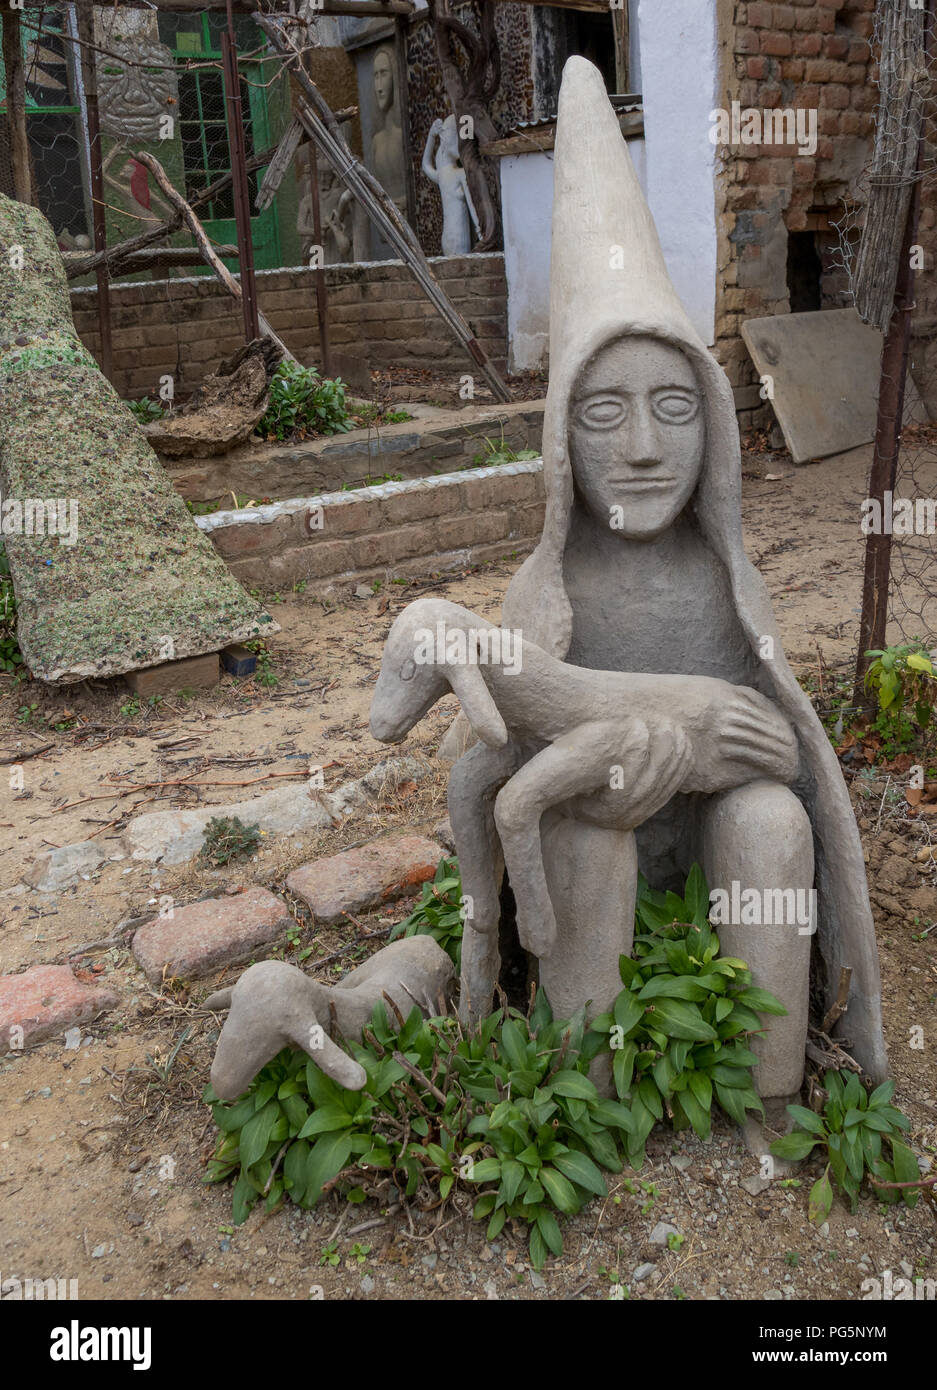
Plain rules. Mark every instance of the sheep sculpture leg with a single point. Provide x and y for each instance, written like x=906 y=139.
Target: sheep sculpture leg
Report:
x=651 y=761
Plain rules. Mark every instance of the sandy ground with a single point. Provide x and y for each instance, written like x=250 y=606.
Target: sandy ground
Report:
x=102 y=1151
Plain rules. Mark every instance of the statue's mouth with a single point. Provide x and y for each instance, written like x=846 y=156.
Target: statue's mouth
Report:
x=656 y=484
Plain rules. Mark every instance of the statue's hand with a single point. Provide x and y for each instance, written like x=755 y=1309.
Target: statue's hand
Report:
x=752 y=732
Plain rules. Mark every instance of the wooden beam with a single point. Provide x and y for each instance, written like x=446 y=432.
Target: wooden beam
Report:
x=16 y=105
x=146 y=258
x=320 y=123
x=543 y=137
x=281 y=161
x=366 y=9
x=208 y=251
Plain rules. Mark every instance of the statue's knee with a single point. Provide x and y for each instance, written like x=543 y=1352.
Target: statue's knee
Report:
x=765 y=816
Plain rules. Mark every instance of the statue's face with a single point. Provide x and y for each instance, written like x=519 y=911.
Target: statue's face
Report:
x=636 y=435
x=383 y=81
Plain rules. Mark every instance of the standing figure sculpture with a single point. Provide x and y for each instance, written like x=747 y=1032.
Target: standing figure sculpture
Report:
x=447 y=173
x=641 y=568
x=387 y=154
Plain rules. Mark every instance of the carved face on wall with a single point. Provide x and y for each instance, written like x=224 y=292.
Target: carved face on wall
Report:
x=636 y=435
x=383 y=79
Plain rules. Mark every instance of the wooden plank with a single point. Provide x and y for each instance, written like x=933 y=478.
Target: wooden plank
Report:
x=289 y=143
x=151 y=257
x=319 y=122
x=366 y=9
x=543 y=137
x=192 y=673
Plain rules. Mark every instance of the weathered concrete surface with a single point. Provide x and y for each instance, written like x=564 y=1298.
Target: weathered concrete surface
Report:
x=125 y=579
x=55 y=869
x=367 y=877
x=275 y=1005
x=172 y=837
x=824 y=370
x=435 y=441
x=44 y=1001
x=206 y=936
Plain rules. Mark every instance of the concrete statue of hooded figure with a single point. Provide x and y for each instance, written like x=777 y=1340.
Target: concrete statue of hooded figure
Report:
x=641 y=568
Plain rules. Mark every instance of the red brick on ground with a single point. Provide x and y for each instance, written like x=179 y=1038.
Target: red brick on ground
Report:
x=44 y=1001
x=358 y=879
x=205 y=936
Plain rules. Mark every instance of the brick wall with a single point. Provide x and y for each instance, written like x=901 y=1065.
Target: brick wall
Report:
x=810 y=54
x=185 y=327
x=392 y=530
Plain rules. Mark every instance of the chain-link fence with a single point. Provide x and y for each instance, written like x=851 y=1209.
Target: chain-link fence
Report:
x=872 y=250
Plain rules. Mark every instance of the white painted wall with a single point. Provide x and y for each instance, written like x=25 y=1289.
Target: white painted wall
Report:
x=679 y=78
x=527 y=209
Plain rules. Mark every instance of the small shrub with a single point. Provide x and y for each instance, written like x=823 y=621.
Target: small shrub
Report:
x=303 y=402
x=903 y=678
x=146 y=410
x=11 y=658
x=227 y=838
x=679 y=1028
x=496 y=453
x=851 y=1130
x=439 y=912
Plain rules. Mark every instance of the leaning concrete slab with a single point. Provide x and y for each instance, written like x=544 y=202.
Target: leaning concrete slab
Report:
x=117 y=577
x=824 y=371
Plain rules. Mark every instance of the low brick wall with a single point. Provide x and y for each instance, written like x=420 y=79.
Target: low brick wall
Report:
x=183 y=328
x=393 y=530
x=436 y=440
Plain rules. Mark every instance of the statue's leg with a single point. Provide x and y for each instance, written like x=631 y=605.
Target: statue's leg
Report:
x=592 y=876
x=759 y=836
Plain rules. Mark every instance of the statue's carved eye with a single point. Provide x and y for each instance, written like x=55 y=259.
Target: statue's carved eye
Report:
x=674 y=406
x=408 y=670
x=603 y=412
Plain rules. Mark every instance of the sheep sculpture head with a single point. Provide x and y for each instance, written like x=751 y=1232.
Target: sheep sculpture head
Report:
x=432 y=648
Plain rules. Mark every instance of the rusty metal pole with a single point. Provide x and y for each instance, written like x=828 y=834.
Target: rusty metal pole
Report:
x=884 y=471
x=242 y=211
x=16 y=105
x=322 y=292
x=883 y=474
x=98 y=216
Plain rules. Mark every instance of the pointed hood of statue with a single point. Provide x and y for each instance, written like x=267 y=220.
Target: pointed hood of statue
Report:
x=608 y=281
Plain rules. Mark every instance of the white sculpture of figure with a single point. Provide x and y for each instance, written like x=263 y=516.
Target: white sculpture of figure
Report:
x=447 y=173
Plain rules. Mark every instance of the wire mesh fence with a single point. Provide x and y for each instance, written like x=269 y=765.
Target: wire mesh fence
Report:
x=871 y=247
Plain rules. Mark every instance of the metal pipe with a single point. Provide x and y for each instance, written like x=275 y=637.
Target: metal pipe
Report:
x=242 y=212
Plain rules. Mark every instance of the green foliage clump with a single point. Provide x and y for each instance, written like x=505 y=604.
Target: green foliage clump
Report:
x=227 y=838
x=679 y=1028
x=851 y=1130
x=146 y=410
x=11 y=658
x=439 y=912
x=903 y=678
x=302 y=402
x=505 y=1111
x=497 y=453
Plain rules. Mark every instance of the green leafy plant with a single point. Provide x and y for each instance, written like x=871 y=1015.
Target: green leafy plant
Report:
x=903 y=678
x=372 y=482
x=265 y=674
x=851 y=1130
x=146 y=410
x=439 y=912
x=227 y=838
x=679 y=1029
x=302 y=402
x=397 y=417
x=11 y=657
x=497 y=453
x=505 y=1109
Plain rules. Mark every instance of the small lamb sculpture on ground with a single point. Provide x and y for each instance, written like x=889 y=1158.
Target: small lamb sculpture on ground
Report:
x=274 y=1005
x=602 y=740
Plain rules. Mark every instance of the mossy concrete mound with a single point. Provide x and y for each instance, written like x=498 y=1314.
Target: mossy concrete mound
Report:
x=124 y=579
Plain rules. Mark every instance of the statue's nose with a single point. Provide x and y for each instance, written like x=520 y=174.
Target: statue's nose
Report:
x=644 y=448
